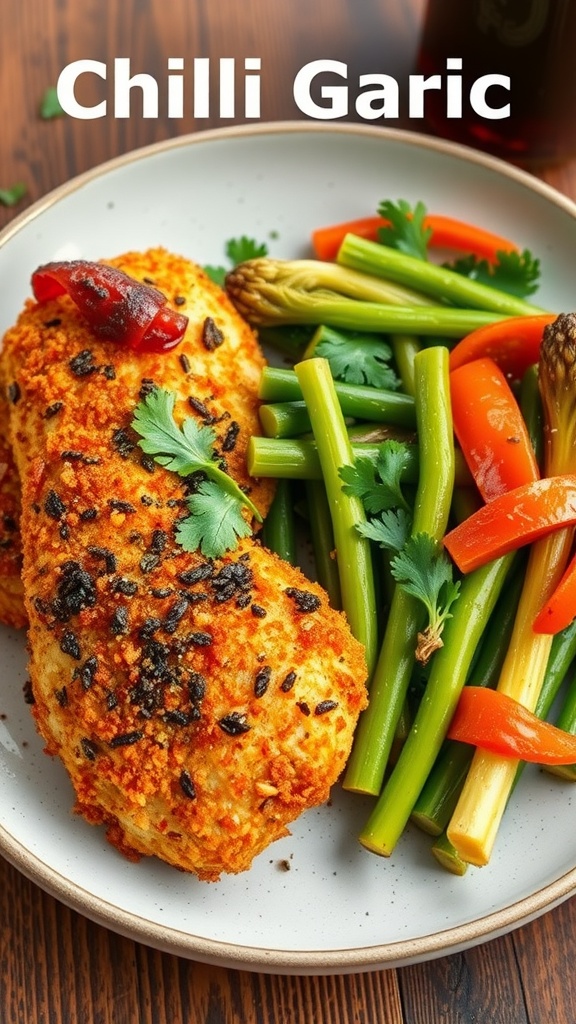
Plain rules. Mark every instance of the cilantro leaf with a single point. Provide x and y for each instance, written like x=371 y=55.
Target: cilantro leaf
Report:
x=215 y=523
x=238 y=250
x=378 y=484
x=216 y=274
x=423 y=569
x=358 y=358
x=390 y=529
x=216 y=520
x=11 y=196
x=513 y=272
x=50 y=106
x=406 y=232
x=182 y=450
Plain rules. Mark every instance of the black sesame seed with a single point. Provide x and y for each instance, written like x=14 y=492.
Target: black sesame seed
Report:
x=196 y=575
x=109 y=372
x=87 y=672
x=62 y=697
x=262 y=681
x=52 y=410
x=54 y=506
x=176 y=717
x=159 y=541
x=200 y=408
x=122 y=585
x=69 y=644
x=197 y=687
x=185 y=363
x=212 y=336
x=160 y=592
x=230 y=437
x=258 y=611
x=199 y=639
x=88 y=514
x=303 y=707
x=179 y=300
x=119 y=621
x=303 y=599
x=149 y=561
x=324 y=706
x=123 y=441
x=83 y=364
x=64 y=531
x=89 y=749
x=287 y=683
x=234 y=724
x=187 y=785
x=147 y=387
x=121 y=506
x=174 y=614
x=55 y=322
x=111 y=701
x=126 y=739
x=71 y=455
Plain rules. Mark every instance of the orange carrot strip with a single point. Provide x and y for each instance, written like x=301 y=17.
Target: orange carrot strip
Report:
x=490 y=429
x=512 y=520
x=494 y=721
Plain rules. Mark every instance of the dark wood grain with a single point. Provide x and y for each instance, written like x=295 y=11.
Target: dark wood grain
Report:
x=56 y=967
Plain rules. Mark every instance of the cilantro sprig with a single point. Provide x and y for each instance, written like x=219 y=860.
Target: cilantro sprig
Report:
x=424 y=570
x=517 y=273
x=237 y=250
x=357 y=358
x=406 y=231
x=215 y=523
x=419 y=564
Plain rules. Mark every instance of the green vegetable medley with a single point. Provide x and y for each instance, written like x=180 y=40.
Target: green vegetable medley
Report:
x=360 y=436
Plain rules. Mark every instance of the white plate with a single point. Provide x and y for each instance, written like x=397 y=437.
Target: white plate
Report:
x=338 y=908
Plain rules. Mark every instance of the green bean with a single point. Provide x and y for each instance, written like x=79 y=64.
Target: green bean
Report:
x=377 y=725
x=462 y=633
x=437 y=800
x=438 y=282
x=405 y=348
x=353 y=551
x=279 y=530
x=358 y=400
x=322 y=536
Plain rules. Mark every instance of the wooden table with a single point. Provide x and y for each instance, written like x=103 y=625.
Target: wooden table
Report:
x=56 y=966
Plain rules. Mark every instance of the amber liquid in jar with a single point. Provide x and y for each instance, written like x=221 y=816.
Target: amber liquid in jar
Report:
x=531 y=41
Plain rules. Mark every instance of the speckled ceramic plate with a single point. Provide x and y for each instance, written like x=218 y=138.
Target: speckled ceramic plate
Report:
x=338 y=908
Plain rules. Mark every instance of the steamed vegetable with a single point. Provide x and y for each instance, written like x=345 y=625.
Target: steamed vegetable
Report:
x=474 y=825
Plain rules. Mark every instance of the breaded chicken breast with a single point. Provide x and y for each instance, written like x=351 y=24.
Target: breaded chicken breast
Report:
x=199 y=705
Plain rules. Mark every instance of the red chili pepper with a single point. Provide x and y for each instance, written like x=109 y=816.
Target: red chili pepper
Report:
x=447 y=233
x=514 y=344
x=494 y=721
x=513 y=519
x=490 y=429
x=117 y=307
x=560 y=609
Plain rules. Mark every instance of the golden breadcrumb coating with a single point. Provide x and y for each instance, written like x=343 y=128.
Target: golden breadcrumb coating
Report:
x=199 y=705
x=12 y=611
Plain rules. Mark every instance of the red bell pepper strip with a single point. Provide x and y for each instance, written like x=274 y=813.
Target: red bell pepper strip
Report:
x=117 y=307
x=490 y=429
x=447 y=233
x=560 y=609
x=494 y=721
x=513 y=343
x=512 y=520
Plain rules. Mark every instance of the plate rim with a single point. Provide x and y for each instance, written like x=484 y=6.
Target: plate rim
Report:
x=224 y=953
